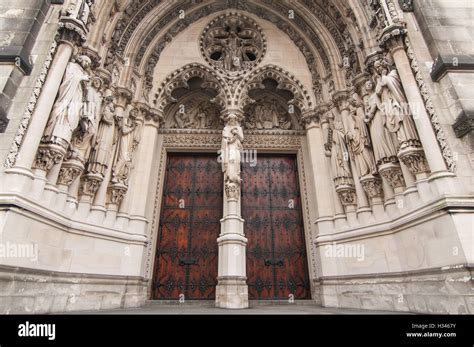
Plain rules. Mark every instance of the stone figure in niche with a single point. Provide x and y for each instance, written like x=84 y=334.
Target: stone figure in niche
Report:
x=130 y=134
x=268 y=114
x=233 y=53
x=232 y=137
x=359 y=138
x=339 y=153
x=104 y=140
x=202 y=116
x=383 y=143
x=84 y=135
x=69 y=104
x=398 y=116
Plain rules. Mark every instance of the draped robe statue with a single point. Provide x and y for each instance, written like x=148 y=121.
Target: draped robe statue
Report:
x=232 y=137
x=339 y=153
x=267 y=115
x=399 y=120
x=69 y=104
x=104 y=139
x=359 y=140
x=382 y=141
x=84 y=135
x=129 y=139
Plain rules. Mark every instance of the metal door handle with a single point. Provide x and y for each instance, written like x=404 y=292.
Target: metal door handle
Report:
x=276 y=262
x=185 y=262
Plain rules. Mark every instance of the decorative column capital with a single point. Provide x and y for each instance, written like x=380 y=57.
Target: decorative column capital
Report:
x=117 y=193
x=75 y=21
x=393 y=174
x=123 y=96
x=49 y=155
x=392 y=37
x=359 y=81
x=238 y=113
x=372 y=186
x=388 y=26
x=311 y=119
x=152 y=116
x=414 y=158
x=90 y=184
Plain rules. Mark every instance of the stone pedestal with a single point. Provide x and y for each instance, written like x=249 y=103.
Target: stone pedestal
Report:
x=232 y=290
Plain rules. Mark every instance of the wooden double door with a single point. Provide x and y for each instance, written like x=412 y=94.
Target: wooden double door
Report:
x=192 y=206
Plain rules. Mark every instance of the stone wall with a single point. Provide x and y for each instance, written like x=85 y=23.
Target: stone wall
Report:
x=28 y=291
x=448 y=28
x=20 y=24
x=16 y=87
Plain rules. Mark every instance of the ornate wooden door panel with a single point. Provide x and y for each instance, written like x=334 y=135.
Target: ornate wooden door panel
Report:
x=276 y=252
x=186 y=257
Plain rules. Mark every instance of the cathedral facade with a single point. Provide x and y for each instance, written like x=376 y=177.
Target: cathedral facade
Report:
x=234 y=151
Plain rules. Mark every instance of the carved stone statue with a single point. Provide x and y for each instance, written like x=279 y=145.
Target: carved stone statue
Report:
x=399 y=120
x=195 y=115
x=382 y=141
x=84 y=135
x=69 y=104
x=267 y=114
x=233 y=53
x=359 y=139
x=130 y=134
x=339 y=153
x=102 y=146
x=232 y=137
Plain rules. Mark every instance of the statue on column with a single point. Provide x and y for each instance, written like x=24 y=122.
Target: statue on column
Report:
x=130 y=135
x=84 y=135
x=398 y=116
x=382 y=140
x=338 y=150
x=232 y=137
x=359 y=139
x=104 y=140
x=341 y=168
x=69 y=104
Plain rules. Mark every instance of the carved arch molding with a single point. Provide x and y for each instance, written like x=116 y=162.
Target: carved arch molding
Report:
x=340 y=23
x=268 y=98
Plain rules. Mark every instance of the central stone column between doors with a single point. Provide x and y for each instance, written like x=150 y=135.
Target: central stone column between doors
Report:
x=232 y=290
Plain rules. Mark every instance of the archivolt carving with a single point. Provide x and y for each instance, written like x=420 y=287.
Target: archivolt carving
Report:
x=121 y=39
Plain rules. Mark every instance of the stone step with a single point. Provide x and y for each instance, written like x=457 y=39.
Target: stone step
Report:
x=211 y=303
